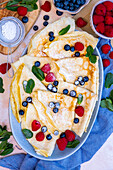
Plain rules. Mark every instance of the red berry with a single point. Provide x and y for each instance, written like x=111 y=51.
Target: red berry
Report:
x=109 y=13
x=62 y=143
x=106 y=62
x=105 y=48
x=46 y=6
x=111 y=55
x=40 y=136
x=97 y=19
x=108 y=20
x=70 y=136
x=108 y=5
x=3 y=67
x=35 y=125
x=100 y=28
x=80 y=22
x=46 y=68
x=50 y=77
x=22 y=11
x=100 y=10
x=79 y=46
x=79 y=110
x=109 y=32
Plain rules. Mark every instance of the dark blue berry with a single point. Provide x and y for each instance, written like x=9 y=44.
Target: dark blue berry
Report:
x=48 y=137
x=57 y=105
x=80 y=78
x=76 y=6
x=82 y=83
x=78 y=2
x=35 y=27
x=45 y=23
x=51 y=34
x=55 y=110
x=59 y=13
x=66 y=3
x=76 y=120
x=44 y=129
x=62 y=135
x=72 y=49
x=56 y=132
x=55 y=83
x=73 y=1
x=37 y=63
x=67 y=47
x=86 y=79
x=61 y=5
x=51 y=38
x=77 y=54
x=57 y=0
x=76 y=82
x=29 y=99
x=46 y=17
x=57 y=4
x=54 y=90
x=83 y=2
x=71 y=8
x=66 y=7
x=24 y=103
x=25 y=19
x=49 y=87
x=21 y=112
x=51 y=104
x=65 y=91
x=72 y=93
x=71 y=4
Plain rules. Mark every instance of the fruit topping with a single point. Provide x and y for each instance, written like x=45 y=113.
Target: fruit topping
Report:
x=40 y=136
x=46 y=68
x=59 y=13
x=29 y=99
x=21 y=112
x=56 y=132
x=65 y=91
x=62 y=135
x=70 y=136
x=46 y=17
x=109 y=20
x=3 y=67
x=67 y=47
x=49 y=87
x=50 y=77
x=48 y=137
x=106 y=62
x=54 y=90
x=62 y=143
x=111 y=55
x=80 y=78
x=55 y=110
x=100 y=10
x=35 y=125
x=82 y=83
x=35 y=27
x=55 y=83
x=24 y=103
x=79 y=46
x=51 y=104
x=37 y=63
x=85 y=79
x=100 y=28
x=25 y=19
x=51 y=34
x=51 y=38
x=81 y=23
x=22 y=11
x=76 y=82
x=46 y=6
x=77 y=54
x=72 y=49
x=79 y=110
x=72 y=93
x=97 y=19
x=44 y=129
x=76 y=120
x=57 y=105
x=109 y=32
x=105 y=48
x=45 y=23
x=108 y=5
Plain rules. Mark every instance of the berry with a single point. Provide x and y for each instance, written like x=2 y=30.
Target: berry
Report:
x=35 y=125
x=108 y=20
x=37 y=63
x=51 y=104
x=56 y=132
x=108 y=5
x=29 y=99
x=48 y=137
x=51 y=38
x=46 y=6
x=59 y=13
x=76 y=120
x=72 y=8
x=105 y=48
x=97 y=19
x=81 y=23
x=54 y=90
x=35 y=27
x=55 y=83
x=46 y=68
x=70 y=136
x=57 y=105
x=49 y=87
x=44 y=129
x=62 y=135
x=76 y=83
x=77 y=54
x=82 y=83
x=45 y=23
x=80 y=78
x=55 y=110
x=21 y=112
x=72 y=93
x=22 y=11
x=83 y=2
x=100 y=10
x=72 y=49
x=79 y=110
x=46 y=17
x=106 y=62
x=24 y=103
x=25 y=19
x=65 y=91
x=57 y=4
x=108 y=32
x=67 y=47
x=100 y=28
x=109 y=13
x=79 y=46
x=85 y=79
x=3 y=67
x=50 y=77
x=40 y=136
x=62 y=143
x=51 y=34
x=111 y=55
x=76 y=6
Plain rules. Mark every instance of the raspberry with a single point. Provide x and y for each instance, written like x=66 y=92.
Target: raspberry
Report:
x=50 y=77
x=46 y=68
x=105 y=48
x=111 y=55
x=40 y=136
x=62 y=143
x=109 y=13
x=79 y=46
x=108 y=20
x=106 y=62
x=70 y=136
x=107 y=27
x=3 y=67
x=97 y=19
x=79 y=110
x=46 y=6
x=22 y=11
x=100 y=28
x=108 y=5
x=100 y=10
x=109 y=32
x=35 y=125
x=80 y=22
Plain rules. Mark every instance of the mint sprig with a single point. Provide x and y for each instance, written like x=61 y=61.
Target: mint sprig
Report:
x=109 y=80
x=64 y=30
x=90 y=54
x=1 y=85
x=80 y=99
x=27 y=133
x=38 y=73
x=29 y=87
x=73 y=144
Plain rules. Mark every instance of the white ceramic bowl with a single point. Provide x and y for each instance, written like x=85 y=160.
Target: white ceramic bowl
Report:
x=72 y=12
x=91 y=20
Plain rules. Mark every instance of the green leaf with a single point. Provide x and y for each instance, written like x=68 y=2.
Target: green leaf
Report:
x=29 y=7
x=12 y=8
x=90 y=54
x=1 y=82
x=93 y=59
x=109 y=100
x=73 y=144
x=6 y=151
x=9 y=145
x=80 y=99
x=11 y=3
x=64 y=30
x=111 y=95
x=29 y=87
x=3 y=145
x=6 y=137
x=106 y=104
x=1 y=90
x=90 y=50
x=4 y=128
x=27 y=133
x=38 y=73
x=109 y=80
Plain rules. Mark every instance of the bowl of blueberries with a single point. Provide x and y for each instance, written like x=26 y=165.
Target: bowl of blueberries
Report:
x=70 y=6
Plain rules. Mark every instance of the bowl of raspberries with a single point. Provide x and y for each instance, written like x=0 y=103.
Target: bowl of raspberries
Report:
x=70 y=6
x=102 y=19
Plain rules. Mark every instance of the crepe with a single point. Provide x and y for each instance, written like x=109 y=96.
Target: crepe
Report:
x=55 y=49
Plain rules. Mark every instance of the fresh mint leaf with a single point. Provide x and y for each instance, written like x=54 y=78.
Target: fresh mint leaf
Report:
x=93 y=59
x=6 y=151
x=29 y=7
x=29 y=87
x=38 y=73
x=3 y=145
x=90 y=49
x=109 y=100
x=111 y=95
x=1 y=82
x=64 y=30
x=1 y=90
x=6 y=137
x=27 y=133
x=106 y=104
x=90 y=54
x=12 y=8
x=73 y=144
x=109 y=80
x=80 y=99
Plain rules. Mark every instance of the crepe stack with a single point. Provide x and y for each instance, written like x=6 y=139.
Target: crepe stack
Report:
x=66 y=69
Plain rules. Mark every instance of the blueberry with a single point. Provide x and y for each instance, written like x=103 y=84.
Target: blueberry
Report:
x=72 y=93
x=44 y=129
x=51 y=34
x=80 y=78
x=57 y=105
x=35 y=28
x=71 y=4
x=65 y=91
x=46 y=17
x=62 y=135
x=25 y=19
x=78 y=2
x=76 y=120
x=67 y=47
x=55 y=83
x=45 y=23
x=57 y=4
x=72 y=49
x=85 y=79
x=76 y=6
x=71 y=8
x=56 y=132
x=66 y=3
x=61 y=5
x=37 y=63
x=54 y=89
x=51 y=104
x=76 y=82
x=83 y=2
x=82 y=83
x=21 y=112
x=48 y=137
x=51 y=38
x=73 y=1
x=29 y=99
x=55 y=110
x=59 y=13
x=77 y=54
x=57 y=0
x=49 y=87
x=24 y=103
x=66 y=7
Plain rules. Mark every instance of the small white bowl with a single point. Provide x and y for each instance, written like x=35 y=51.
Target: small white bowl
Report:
x=91 y=20
x=72 y=12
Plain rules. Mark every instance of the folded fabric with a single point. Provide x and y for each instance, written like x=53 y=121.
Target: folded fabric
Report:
x=102 y=129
